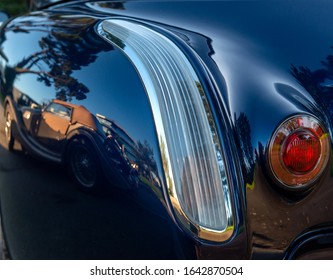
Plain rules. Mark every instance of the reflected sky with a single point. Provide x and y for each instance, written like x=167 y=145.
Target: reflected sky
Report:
x=109 y=92
x=95 y=75
x=251 y=47
x=253 y=57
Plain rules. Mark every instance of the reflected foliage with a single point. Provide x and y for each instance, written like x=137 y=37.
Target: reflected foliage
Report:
x=108 y=5
x=146 y=155
x=65 y=45
x=61 y=52
x=318 y=82
x=245 y=148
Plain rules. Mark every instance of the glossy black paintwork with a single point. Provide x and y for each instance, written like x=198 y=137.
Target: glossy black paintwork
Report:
x=89 y=73
x=314 y=244
x=262 y=62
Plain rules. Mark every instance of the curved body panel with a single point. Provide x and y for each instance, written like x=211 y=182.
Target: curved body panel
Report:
x=76 y=110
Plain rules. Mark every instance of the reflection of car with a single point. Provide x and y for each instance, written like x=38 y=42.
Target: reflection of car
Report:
x=52 y=127
x=46 y=132
x=67 y=133
x=212 y=120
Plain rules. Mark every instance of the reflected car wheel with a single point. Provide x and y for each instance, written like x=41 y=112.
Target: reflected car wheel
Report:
x=8 y=129
x=84 y=165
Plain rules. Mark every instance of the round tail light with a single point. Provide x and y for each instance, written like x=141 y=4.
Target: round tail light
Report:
x=301 y=152
x=298 y=152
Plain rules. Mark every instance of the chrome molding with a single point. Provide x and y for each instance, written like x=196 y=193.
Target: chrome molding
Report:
x=191 y=152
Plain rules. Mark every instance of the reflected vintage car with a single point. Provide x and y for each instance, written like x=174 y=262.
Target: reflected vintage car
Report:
x=193 y=129
x=68 y=133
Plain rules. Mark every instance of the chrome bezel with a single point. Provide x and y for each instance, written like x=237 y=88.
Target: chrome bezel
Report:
x=305 y=180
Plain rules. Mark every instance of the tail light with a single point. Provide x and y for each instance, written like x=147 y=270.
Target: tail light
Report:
x=299 y=151
x=193 y=161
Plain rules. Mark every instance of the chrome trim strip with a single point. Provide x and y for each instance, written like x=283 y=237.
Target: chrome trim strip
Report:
x=171 y=84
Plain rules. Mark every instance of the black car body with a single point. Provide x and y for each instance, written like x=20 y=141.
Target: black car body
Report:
x=209 y=133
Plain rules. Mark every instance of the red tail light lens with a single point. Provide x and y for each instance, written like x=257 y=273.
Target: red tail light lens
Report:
x=299 y=151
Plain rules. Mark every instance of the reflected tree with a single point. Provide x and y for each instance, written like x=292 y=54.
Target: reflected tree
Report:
x=245 y=148
x=319 y=82
x=65 y=45
x=146 y=156
x=111 y=5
